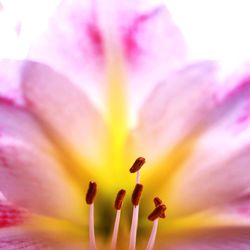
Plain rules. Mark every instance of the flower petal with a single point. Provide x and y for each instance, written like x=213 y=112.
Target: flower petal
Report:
x=19 y=238
x=17 y=243
x=146 y=37
x=19 y=229
x=223 y=226
x=223 y=239
x=31 y=175
x=175 y=108
x=12 y=231
x=66 y=114
x=10 y=79
x=11 y=215
x=153 y=47
x=217 y=171
x=73 y=44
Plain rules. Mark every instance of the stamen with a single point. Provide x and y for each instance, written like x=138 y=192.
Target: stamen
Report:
x=163 y=215
x=158 y=212
x=91 y=193
x=139 y=162
x=119 y=199
x=90 y=196
x=133 y=229
x=151 y=241
x=157 y=201
x=135 y=201
x=137 y=194
x=118 y=204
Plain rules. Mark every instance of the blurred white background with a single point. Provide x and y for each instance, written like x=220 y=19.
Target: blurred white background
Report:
x=213 y=29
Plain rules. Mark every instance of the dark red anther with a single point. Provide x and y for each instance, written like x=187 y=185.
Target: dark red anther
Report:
x=139 y=162
x=91 y=193
x=137 y=194
x=157 y=201
x=163 y=215
x=119 y=199
x=157 y=212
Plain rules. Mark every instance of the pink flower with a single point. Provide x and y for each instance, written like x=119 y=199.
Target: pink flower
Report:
x=104 y=85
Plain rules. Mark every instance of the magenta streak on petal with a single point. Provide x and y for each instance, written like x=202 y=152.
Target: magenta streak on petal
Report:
x=245 y=114
x=11 y=215
x=245 y=210
x=239 y=89
x=131 y=46
x=7 y=101
x=88 y=26
x=95 y=37
x=242 y=120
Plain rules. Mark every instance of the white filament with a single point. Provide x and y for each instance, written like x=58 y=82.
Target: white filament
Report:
x=116 y=228
x=133 y=229
x=138 y=177
x=134 y=224
x=92 y=241
x=151 y=241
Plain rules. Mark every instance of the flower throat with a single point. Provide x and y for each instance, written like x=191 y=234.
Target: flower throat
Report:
x=158 y=212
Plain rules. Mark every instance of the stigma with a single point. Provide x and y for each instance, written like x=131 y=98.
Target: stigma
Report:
x=157 y=212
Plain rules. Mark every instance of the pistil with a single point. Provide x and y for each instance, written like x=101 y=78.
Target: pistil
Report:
x=90 y=196
x=118 y=205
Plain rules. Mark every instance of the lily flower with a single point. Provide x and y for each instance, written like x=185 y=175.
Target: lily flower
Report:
x=105 y=86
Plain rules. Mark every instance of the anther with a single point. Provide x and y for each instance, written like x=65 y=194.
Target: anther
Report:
x=163 y=215
x=157 y=212
x=137 y=194
x=119 y=199
x=157 y=201
x=91 y=193
x=139 y=162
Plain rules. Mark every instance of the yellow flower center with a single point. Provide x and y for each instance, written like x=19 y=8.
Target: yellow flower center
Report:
x=158 y=212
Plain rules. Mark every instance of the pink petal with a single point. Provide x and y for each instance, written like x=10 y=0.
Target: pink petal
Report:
x=174 y=109
x=208 y=229
x=21 y=233
x=10 y=79
x=30 y=174
x=65 y=112
x=213 y=178
x=73 y=44
x=153 y=47
x=16 y=243
x=17 y=239
x=234 y=213
x=12 y=235
x=76 y=39
x=11 y=215
x=218 y=170
x=223 y=239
